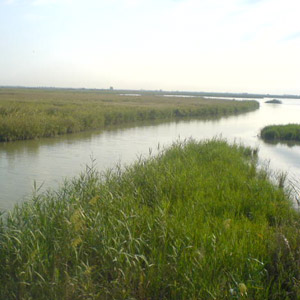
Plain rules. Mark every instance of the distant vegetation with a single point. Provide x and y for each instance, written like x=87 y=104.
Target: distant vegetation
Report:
x=290 y=132
x=199 y=221
x=210 y=94
x=35 y=113
x=274 y=101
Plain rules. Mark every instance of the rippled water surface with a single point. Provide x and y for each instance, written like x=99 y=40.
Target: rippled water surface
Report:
x=49 y=161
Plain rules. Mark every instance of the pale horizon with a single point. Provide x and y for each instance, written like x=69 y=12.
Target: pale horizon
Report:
x=144 y=90
x=243 y=46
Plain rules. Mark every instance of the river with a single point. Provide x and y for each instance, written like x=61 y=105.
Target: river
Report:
x=49 y=161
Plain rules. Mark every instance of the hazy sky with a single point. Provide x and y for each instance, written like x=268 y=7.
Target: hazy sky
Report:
x=197 y=45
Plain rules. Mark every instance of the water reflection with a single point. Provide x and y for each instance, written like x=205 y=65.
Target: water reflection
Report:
x=48 y=161
x=290 y=144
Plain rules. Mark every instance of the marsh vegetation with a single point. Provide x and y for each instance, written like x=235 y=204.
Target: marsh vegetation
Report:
x=289 y=132
x=198 y=221
x=274 y=101
x=36 y=113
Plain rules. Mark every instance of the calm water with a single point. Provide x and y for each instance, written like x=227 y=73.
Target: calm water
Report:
x=49 y=161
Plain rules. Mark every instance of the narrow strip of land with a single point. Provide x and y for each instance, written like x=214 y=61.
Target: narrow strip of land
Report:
x=199 y=221
x=36 y=113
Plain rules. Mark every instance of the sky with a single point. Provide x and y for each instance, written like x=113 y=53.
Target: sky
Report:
x=248 y=46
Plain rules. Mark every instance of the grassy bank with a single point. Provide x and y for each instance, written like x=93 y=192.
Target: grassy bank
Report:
x=35 y=113
x=199 y=221
x=290 y=132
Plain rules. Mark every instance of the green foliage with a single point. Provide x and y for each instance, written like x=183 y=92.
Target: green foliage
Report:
x=290 y=132
x=199 y=221
x=274 y=101
x=35 y=113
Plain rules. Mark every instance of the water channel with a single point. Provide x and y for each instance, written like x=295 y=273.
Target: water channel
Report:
x=49 y=161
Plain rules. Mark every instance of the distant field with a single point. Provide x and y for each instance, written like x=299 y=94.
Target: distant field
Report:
x=36 y=113
x=289 y=132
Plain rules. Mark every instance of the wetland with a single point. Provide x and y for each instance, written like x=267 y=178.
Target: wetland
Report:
x=167 y=208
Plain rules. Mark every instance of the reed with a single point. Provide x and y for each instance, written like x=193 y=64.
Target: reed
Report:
x=36 y=113
x=289 y=132
x=198 y=221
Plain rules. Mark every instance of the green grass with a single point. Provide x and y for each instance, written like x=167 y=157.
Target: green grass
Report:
x=290 y=132
x=198 y=221
x=36 y=113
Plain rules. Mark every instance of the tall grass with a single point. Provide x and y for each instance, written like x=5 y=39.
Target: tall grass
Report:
x=199 y=221
x=35 y=113
x=289 y=132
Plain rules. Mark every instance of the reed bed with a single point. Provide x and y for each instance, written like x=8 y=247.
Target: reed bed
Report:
x=198 y=221
x=36 y=113
x=289 y=132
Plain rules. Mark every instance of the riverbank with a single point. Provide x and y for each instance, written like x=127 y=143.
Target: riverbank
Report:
x=199 y=221
x=35 y=113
